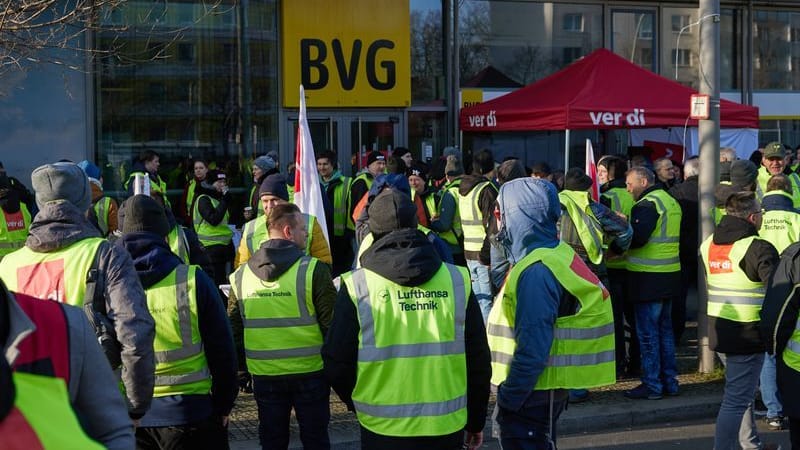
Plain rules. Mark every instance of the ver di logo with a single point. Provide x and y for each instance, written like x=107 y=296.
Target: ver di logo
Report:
x=634 y=119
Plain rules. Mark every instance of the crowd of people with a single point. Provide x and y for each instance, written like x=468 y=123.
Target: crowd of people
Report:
x=445 y=282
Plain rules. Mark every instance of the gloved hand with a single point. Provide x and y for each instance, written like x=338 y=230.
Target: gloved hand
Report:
x=245 y=382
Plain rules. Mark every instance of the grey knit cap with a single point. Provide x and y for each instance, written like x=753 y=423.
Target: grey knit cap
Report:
x=61 y=181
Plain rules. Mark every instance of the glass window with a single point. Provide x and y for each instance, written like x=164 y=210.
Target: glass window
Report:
x=201 y=93
x=730 y=50
x=428 y=74
x=426 y=128
x=681 y=21
x=522 y=41
x=632 y=36
x=773 y=34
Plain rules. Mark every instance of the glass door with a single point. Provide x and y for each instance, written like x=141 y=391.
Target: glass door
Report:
x=352 y=136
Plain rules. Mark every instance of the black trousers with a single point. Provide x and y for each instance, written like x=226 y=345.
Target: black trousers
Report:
x=208 y=434
x=794 y=432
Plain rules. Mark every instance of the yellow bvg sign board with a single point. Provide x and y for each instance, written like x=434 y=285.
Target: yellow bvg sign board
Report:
x=346 y=53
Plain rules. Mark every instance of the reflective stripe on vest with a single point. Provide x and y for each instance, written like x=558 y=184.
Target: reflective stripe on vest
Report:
x=731 y=295
x=178 y=243
x=281 y=332
x=588 y=229
x=341 y=220
x=791 y=354
x=181 y=367
x=101 y=209
x=42 y=417
x=59 y=275
x=208 y=234
x=471 y=217
x=582 y=353
x=660 y=254
x=14 y=229
x=411 y=336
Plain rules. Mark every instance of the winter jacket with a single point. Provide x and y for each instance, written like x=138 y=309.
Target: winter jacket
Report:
x=773 y=202
x=645 y=287
x=486 y=205
x=60 y=224
x=275 y=257
x=761 y=258
x=779 y=315
x=405 y=257
x=686 y=195
x=207 y=210
x=97 y=194
x=93 y=391
x=153 y=261
x=528 y=222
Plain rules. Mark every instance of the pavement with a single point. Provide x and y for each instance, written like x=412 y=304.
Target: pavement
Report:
x=605 y=410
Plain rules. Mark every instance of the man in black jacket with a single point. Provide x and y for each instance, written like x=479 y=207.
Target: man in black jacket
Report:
x=737 y=264
x=779 y=322
x=189 y=409
x=686 y=195
x=403 y=275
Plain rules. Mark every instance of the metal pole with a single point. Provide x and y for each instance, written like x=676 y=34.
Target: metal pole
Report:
x=566 y=151
x=708 y=138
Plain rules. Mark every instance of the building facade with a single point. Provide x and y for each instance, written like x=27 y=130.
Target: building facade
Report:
x=221 y=83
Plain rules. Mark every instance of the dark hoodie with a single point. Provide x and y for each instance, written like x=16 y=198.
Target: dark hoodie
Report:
x=728 y=336
x=268 y=263
x=486 y=203
x=407 y=258
x=153 y=261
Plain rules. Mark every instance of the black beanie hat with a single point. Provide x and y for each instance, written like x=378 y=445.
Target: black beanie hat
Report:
x=141 y=213
x=743 y=172
x=576 y=180
x=418 y=170
x=375 y=156
x=274 y=184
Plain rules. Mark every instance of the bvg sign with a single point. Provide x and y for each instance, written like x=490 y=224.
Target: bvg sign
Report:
x=346 y=53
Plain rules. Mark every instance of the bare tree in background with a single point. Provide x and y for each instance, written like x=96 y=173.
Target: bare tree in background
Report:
x=56 y=31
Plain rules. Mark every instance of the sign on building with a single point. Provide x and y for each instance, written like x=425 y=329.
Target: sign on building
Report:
x=347 y=53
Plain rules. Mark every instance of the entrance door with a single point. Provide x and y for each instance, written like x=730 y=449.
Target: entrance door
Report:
x=351 y=135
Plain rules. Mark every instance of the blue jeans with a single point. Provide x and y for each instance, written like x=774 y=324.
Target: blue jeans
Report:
x=481 y=286
x=656 y=342
x=533 y=427
x=735 y=423
x=769 y=387
x=310 y=399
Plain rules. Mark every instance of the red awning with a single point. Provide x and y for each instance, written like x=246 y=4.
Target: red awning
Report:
x=599 y=91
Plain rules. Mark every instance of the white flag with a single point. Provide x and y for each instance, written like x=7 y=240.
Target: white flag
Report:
x=307 y=191
x=591 y=170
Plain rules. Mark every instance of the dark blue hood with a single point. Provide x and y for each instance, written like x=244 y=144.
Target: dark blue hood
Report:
x=390 y=180
x=151 y=255
x=529 y=210
x=777 y=201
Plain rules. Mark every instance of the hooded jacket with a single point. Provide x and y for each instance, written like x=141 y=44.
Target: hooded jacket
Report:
x=760 y=259
x=777 y=202
x=529 y=210
x=274 y=258
x=93 y=392
x=486 y=206
x=60 y=224
x=779 y=316
x=153 y=261
x=407 y=258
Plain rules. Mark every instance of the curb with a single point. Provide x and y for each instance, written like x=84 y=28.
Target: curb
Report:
x=588 y=418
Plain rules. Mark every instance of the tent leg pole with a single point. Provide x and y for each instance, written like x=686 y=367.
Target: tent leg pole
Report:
x=566 y=152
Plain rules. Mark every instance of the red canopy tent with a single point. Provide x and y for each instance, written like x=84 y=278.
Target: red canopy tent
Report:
x=599 y=91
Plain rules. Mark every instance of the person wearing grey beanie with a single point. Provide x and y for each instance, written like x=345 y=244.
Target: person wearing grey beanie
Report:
x=62 y=249
x=263 y=166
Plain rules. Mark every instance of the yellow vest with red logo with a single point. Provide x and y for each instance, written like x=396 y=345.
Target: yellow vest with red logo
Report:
x=13 y=229
x=58 y=275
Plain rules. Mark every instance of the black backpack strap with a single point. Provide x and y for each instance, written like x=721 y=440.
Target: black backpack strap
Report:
x=94 y=306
